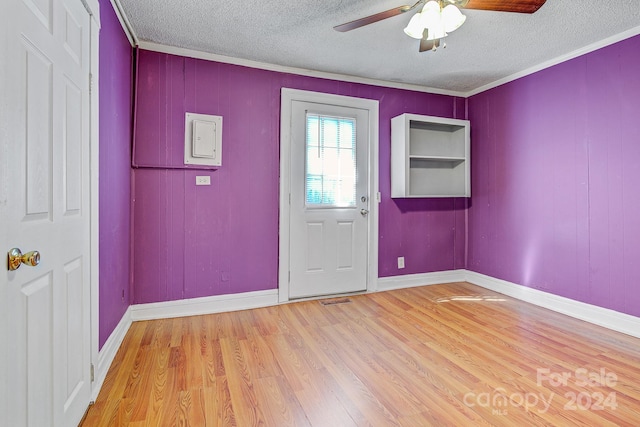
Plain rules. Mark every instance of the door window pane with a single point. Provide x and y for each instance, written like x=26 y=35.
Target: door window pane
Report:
x=331 y=161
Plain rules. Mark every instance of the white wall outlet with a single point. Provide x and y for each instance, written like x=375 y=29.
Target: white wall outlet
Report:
x=203 y=180
x=400 y=262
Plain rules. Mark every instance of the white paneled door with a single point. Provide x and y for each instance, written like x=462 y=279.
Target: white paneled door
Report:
x=45 y=207
x=329 y=212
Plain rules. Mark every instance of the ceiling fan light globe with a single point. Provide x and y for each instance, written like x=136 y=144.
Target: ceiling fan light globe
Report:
x=436 y=30
x=415 y=28
x=431 y=6
x=452 y=18
x=435 y=36
x=430 y=15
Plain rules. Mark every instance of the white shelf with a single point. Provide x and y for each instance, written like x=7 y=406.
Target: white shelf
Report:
x=439 y=158
x=429 y=157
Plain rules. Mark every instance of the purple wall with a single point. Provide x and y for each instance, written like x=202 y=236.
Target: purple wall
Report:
x=555 y=173
x=200 y=241
x=554 y=169
x=115 y=174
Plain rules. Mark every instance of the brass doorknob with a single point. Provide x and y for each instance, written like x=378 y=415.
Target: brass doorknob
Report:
x=16 y=258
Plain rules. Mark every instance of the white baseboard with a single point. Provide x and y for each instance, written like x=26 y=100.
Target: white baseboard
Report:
x=610 y=319
x=168 y=309
x=205 y=305
x=108 y=352
x=420 y=279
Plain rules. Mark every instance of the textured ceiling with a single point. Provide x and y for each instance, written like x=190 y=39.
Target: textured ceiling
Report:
x=299 y=33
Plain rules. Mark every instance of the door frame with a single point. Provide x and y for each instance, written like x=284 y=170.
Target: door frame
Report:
x=287 y=97
x=93 y=7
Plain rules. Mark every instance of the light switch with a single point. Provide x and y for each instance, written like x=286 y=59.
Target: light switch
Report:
x=204 y=139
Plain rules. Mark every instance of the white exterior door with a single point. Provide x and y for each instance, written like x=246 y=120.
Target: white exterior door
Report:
x=45 y=206
x=329 y=217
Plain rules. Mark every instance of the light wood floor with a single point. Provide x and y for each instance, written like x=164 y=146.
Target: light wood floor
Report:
x=439 y=355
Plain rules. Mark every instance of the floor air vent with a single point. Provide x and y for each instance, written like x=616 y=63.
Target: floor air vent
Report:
x=335 y=301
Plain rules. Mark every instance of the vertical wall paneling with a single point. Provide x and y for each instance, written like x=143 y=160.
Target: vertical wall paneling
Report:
x=555 y=176
x=223 y=238
x=115 y=170
x=554 y=167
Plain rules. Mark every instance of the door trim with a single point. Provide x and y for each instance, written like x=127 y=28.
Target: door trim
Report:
x=94 y=195
x=288 y=96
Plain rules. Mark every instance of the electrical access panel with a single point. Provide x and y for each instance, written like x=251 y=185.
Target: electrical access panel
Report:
x=203 y=140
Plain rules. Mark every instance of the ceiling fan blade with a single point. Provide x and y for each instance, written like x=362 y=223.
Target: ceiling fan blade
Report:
x=519 y=6
x=374 y=18
x=426 y=45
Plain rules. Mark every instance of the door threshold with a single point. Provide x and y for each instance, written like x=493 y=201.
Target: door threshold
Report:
x=326 y=297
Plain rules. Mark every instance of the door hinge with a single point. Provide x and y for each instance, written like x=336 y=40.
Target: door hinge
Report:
x=90 y=82
x=93 y=373
x=289 y=277
x=289 y=198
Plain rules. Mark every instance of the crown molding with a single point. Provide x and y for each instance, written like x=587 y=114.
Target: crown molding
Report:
x=125 y=23
x=196 y=54
x=558 y=60
x=190 y=53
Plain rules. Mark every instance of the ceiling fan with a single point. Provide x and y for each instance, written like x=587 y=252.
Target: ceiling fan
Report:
x=440 y=17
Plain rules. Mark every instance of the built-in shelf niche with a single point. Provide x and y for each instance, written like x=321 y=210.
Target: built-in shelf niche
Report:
x=429 y=157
